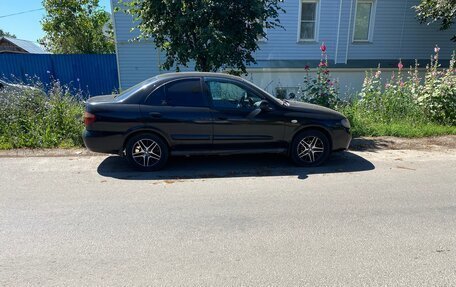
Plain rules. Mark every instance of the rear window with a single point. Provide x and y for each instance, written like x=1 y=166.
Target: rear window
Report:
x=144 y=88
x=185 y=93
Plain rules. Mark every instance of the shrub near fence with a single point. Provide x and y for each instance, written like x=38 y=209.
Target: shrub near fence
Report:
x=94 y=74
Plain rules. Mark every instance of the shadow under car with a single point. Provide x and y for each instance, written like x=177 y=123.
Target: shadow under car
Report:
x=233 y=166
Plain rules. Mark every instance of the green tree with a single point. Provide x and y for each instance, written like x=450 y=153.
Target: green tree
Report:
x=212 y=34
x=442 y=11
x=77 y=27
x=6 y=34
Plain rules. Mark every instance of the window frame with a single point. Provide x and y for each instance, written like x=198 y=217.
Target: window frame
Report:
x=371 y=21
x=317 y=21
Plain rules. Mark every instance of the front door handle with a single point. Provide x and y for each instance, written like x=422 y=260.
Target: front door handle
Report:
x=155 y=115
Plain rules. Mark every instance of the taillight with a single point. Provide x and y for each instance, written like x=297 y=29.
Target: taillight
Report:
x=88 y=118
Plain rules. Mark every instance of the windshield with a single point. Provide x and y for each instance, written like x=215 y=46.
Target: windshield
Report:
x=280 y=102
x=133 y=90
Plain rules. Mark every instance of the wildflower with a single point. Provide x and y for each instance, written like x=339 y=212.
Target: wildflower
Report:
x=307 y=67
x=378 y=74
x=48 y=71
x=322 y=64
x=402 y=84
x=400 y=65
x=436 y=49
x=323 y=47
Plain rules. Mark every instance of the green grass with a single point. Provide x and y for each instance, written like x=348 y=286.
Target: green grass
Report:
x=34 y=119
x=401 y=129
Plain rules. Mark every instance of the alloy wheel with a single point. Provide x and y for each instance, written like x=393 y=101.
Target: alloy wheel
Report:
x=310 y=149
x=146 y=152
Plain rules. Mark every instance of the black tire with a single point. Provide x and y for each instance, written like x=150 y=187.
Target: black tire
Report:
x=147 y=152
x=310 y=148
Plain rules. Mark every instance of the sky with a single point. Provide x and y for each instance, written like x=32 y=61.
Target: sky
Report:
x=27 y=26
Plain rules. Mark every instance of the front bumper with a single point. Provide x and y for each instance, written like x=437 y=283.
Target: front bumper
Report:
x=341 y=139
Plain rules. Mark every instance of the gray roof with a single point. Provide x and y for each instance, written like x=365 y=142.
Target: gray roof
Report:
x=28 y=46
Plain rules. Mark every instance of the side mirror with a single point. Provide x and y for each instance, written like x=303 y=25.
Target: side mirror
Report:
x=264 y=106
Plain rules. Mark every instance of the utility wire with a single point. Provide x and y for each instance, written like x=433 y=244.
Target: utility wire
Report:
x=19 y=13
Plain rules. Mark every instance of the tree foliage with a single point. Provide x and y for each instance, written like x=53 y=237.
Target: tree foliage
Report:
x=6 y=34
x=213 y=34
x=443 y=11
x=77 y=27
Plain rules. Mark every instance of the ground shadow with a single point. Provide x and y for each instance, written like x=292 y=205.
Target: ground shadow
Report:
x=365 y=144
x=232 y=166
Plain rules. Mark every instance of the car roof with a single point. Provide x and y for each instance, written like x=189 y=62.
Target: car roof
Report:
x=177 y=75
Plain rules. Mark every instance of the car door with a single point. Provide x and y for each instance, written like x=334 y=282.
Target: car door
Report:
x=180 y=110
x=238 y=122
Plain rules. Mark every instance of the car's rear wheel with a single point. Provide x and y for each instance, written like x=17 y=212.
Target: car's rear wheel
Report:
x=147 y=152
x=310 y=148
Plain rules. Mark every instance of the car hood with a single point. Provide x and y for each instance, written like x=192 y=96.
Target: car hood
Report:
x=313 y=109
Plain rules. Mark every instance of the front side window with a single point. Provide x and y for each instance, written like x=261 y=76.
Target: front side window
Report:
x=185 y=93
x=156 y=98
x=226 y=95
x=364 y=10
x=308 y=22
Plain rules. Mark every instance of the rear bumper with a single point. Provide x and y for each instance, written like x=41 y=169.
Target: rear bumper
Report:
x=341 y=139
x=103 y=142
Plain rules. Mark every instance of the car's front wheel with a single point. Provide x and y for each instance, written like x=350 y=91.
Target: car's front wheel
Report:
x=147 y=152
x=310 y=148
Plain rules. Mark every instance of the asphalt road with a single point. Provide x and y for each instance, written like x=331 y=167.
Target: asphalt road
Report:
x=365 y=219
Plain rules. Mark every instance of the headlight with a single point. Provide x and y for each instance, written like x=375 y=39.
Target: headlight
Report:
x=345 y=123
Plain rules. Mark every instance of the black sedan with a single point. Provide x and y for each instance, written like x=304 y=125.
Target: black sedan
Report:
x=209 y=113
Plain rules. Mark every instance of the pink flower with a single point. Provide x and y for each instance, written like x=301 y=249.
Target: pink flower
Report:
x=400 y=65
x=323 y=47
x=322 y=64
x=378 y=74
x=436 y=49
x=402 y=84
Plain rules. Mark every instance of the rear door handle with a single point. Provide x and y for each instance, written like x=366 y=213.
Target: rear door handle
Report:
x=155 y=114
x=222 y=118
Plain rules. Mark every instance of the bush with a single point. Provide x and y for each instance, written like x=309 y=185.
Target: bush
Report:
x=405 y=104
x=437 y=96
x=40 y=116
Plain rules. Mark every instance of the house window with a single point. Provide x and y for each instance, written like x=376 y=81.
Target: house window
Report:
x=261 y=38
x=363 y=21
x=308 y=21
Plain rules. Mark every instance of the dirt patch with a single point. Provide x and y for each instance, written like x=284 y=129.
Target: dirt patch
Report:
x=440 y=143
x=430 y=143
x=53 y=152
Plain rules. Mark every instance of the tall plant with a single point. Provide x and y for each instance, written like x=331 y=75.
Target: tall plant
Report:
x=320 y=89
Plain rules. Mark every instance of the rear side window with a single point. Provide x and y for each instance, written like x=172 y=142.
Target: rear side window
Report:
x=185 y=93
